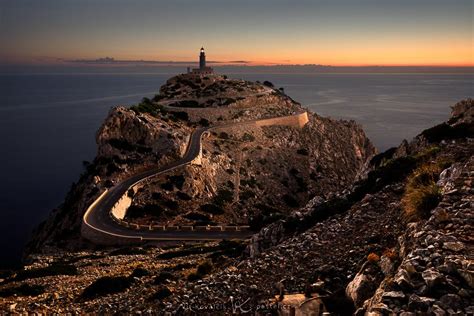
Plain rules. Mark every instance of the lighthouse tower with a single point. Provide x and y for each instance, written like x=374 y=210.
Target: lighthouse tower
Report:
x=202 y=59
x=203 y=69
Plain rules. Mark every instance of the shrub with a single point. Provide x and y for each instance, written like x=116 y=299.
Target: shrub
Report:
x=268 y=84
x=180 y=116
x=420 y=201
x=373 y=257
x=163 y=277
x=187 y=104
x=390 y=253
x=158 y=97
x=177 y=181
x=229 y=248
x=290 y=201
x=246 y=194
x=161 y=293
x=168 y=186
x=183 y=196
x=139 y=272
x=223 y=135
x=197 y=217
x=194 y=276
x=128 y=251
x=186 y=252
x=204 y=122
x=248 y=137
x=171 y=204
x=204 y=268
x=421 y=192
x=445 y=131
x=223 y=196
x=212 y=209
x=106 y=285
x=302 y=151
x=23 y=290
x=54 y=269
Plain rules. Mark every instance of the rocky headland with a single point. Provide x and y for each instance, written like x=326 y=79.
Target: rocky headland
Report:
x=337 y=227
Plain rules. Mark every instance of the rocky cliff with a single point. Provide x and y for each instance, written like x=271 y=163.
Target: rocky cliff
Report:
x=240 y=165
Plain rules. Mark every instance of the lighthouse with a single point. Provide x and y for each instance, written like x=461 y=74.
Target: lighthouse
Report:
x=203 y=69
x=202 y=59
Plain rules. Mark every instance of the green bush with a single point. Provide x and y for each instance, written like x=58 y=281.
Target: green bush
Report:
x=106 y=285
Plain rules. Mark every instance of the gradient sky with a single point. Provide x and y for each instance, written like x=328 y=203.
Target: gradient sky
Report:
x=329 y=32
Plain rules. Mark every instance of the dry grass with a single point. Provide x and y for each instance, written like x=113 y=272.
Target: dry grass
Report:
x=373 y=257
x=421 y=192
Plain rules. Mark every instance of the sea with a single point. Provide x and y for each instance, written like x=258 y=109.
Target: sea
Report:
x=48 y=121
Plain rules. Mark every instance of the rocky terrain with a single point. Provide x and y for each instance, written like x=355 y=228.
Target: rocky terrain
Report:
x=389 y=234
x=240 y=165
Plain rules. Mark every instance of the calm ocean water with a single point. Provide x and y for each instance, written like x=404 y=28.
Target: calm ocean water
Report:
x=48 y=124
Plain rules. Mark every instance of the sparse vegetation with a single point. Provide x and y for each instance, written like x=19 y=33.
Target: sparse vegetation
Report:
x=161 y=293
x=53 y=269
x=302 y=151
x=202 y=270
x=23 y=290
x=204 y=122
x=447 y=132
x=106 y=285
x=290 y=201
x=248 y=137
x=128 y=251
x=223 y=197
x=268 y=84
x=373 y=257
x=421 y=192
x=164 y=277
x=139 y=272
x=212 y=209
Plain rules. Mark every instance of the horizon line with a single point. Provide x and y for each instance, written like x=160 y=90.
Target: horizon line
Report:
x=107 y=61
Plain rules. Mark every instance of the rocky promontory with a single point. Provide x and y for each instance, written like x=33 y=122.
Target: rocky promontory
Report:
x=337 y=227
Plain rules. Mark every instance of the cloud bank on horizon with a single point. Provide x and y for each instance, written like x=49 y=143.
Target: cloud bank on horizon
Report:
x=264 y=32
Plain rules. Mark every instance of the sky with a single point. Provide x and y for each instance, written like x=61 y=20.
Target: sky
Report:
x=327 y=32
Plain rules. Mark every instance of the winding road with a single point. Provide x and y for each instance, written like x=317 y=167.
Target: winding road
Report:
x=100 y=227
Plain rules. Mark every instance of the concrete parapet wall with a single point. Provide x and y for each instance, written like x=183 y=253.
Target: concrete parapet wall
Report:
x=120 y=208
x=297 y=120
